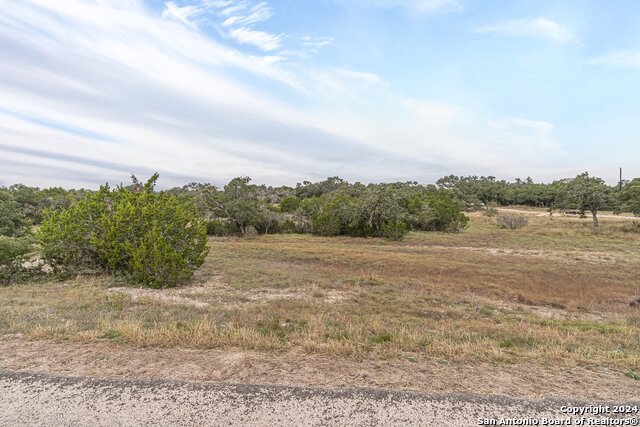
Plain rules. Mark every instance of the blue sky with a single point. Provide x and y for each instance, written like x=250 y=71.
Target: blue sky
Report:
x=285 y=91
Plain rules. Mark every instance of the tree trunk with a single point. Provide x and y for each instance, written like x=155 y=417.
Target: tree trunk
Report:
x=596 y=223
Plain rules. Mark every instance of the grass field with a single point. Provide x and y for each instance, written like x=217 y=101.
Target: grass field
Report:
x=553 y=293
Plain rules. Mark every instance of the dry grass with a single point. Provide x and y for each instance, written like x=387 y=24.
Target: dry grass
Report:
x=552 y=293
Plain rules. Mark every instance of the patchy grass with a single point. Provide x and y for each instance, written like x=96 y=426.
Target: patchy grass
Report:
x=552 y=293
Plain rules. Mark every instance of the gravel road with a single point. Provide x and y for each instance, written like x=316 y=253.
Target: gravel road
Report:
x=42 y=400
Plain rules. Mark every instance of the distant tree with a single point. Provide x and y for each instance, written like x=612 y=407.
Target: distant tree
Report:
x=238 y=203
x=316 y=189
x=338 y=214
x=630 y=196
x=289 y=204
x=380 y=205
x=585 y=194
x=32 y=201
x=445 y=214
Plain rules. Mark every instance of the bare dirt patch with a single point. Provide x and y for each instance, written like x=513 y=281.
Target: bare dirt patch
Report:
x=214 y=289
x=572 y=257
x=106 y=360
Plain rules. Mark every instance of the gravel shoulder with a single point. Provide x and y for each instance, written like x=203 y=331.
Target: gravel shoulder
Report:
x=36 y=399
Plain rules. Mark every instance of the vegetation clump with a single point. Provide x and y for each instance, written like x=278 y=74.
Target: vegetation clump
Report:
x=152 y=237
x=14 y=252
x=512 y=221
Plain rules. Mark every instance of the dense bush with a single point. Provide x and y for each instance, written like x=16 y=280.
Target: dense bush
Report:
x=12 y=221
x=445 y=214
x=221 y=227
x=394 y=230
x=14 y=252
x=154 y=238
x=512 y=221
x=630 y=197
x=289 y=204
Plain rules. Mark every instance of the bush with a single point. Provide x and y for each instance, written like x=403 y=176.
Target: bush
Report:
x=289 y=226
x=154 y=238
x=12 y=221
x=445 y=214
x=14 y=252
x=394 y=230
x=512 y=221
x=222 y=228
x=491 y=210
x=631 y=227
x=289 y=204
x=155 y=262
x=338 y=216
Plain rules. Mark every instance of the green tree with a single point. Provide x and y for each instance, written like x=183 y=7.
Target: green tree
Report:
x=630 y=196
x=289 y=204
x=238 y=203
x=445 y=214
x=585 y=194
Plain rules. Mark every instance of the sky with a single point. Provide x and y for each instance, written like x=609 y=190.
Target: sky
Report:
x=290 y=90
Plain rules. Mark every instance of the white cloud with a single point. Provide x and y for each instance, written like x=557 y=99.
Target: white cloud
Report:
x=620 y=59
x=540 y=28
x=92 y=91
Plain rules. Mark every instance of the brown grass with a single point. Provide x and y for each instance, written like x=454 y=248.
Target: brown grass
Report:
x=551 y=293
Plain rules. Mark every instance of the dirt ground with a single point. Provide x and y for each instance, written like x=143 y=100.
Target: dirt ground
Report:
x=108 y=360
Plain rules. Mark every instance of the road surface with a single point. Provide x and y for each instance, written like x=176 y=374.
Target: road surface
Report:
x=42 y=400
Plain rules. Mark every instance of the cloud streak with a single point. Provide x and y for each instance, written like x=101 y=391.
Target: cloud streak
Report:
x=621 y=59
x=421 y=7
x=539 y=28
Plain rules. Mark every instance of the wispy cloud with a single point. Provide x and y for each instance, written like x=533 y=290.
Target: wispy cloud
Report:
x=261 y=39
x=540 y=28
x=256 y=13
x=422 y=7
x=238 y=20
x=619 y=59
x=126 y=90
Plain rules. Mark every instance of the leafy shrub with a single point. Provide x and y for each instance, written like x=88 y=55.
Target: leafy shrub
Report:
x=394 y=230
x=155 y=238
x=445 y=214
x=289 y=204
x=337 y=215
x=512 y=221
x=218 y=227
x=12 y=221
x=155 y=262
x=14 y=253
x=289 y=226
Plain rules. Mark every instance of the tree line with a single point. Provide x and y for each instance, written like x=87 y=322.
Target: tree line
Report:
x=159 y=237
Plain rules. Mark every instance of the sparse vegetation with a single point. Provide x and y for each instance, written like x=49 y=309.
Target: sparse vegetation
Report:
x=512 y=221
x=553 y=293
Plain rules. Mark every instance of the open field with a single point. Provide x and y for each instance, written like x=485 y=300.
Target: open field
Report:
x=553 y=296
